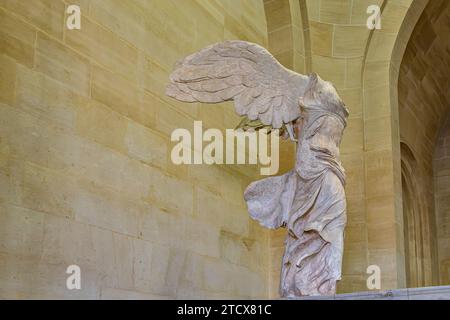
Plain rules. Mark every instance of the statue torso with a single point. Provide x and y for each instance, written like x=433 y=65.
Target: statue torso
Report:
x=319 y=136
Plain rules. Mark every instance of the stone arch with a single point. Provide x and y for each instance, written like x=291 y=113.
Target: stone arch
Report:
x=383 y=136
x=422 y=112
x=382 y=153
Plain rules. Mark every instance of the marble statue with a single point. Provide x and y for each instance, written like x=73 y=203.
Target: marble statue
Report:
x=309 y=200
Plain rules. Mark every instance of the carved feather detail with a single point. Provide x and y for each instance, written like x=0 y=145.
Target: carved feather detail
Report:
x=261 y=88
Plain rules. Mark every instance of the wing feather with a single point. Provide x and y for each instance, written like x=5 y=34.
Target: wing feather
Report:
x=260 y=86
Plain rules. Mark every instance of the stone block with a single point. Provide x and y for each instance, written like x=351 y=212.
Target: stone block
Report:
x=382 y=46
x=248 y=284
x=123 y=261
x=108 y=210
x=67 y=243
x=202 y=237
x=17 y=39
x=356 y=236
x=162 y=188
x=276 y=13
x=377 y=103
x=353 y=100
x=21 y=231
x=335 y=11
x=353 y=138
x=330 y=69
x=105 y=48
x=390 y=21
x=97 y=122
x=281 y=40
x=214 y=283
x=167 y=270
x=142 y=265
x=62 y=64
x=44 y=190
x=321 y=38
x=376 y=74
x=121 y=95
x=354 y=73
x=228 y=216
x=7 y=80
x=31 y=278
x=354 y=165
x=47 y=99
x=163 y=227
x=47 y=15
x=350 y=41
x=356 y=209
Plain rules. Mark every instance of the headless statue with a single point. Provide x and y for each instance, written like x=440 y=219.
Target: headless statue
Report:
x=309 y=200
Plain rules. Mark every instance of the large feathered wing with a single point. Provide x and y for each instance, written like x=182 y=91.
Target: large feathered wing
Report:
x=261 y=88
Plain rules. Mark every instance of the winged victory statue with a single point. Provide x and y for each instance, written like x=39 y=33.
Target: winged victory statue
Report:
x=309 y=200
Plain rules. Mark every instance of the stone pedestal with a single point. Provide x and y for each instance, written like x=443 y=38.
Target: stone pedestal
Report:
x=427 y=293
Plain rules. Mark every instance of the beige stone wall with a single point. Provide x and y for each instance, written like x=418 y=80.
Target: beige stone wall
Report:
x=442 y=196
x=85 y=173
x=382 y=143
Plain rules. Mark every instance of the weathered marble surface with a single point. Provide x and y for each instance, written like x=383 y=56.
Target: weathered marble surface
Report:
x=310 y=199
x=426 y=293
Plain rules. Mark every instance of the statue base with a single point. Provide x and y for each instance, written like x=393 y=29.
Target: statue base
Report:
x=424 y=293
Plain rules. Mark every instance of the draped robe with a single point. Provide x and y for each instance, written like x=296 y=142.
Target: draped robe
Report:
x=310 y=202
